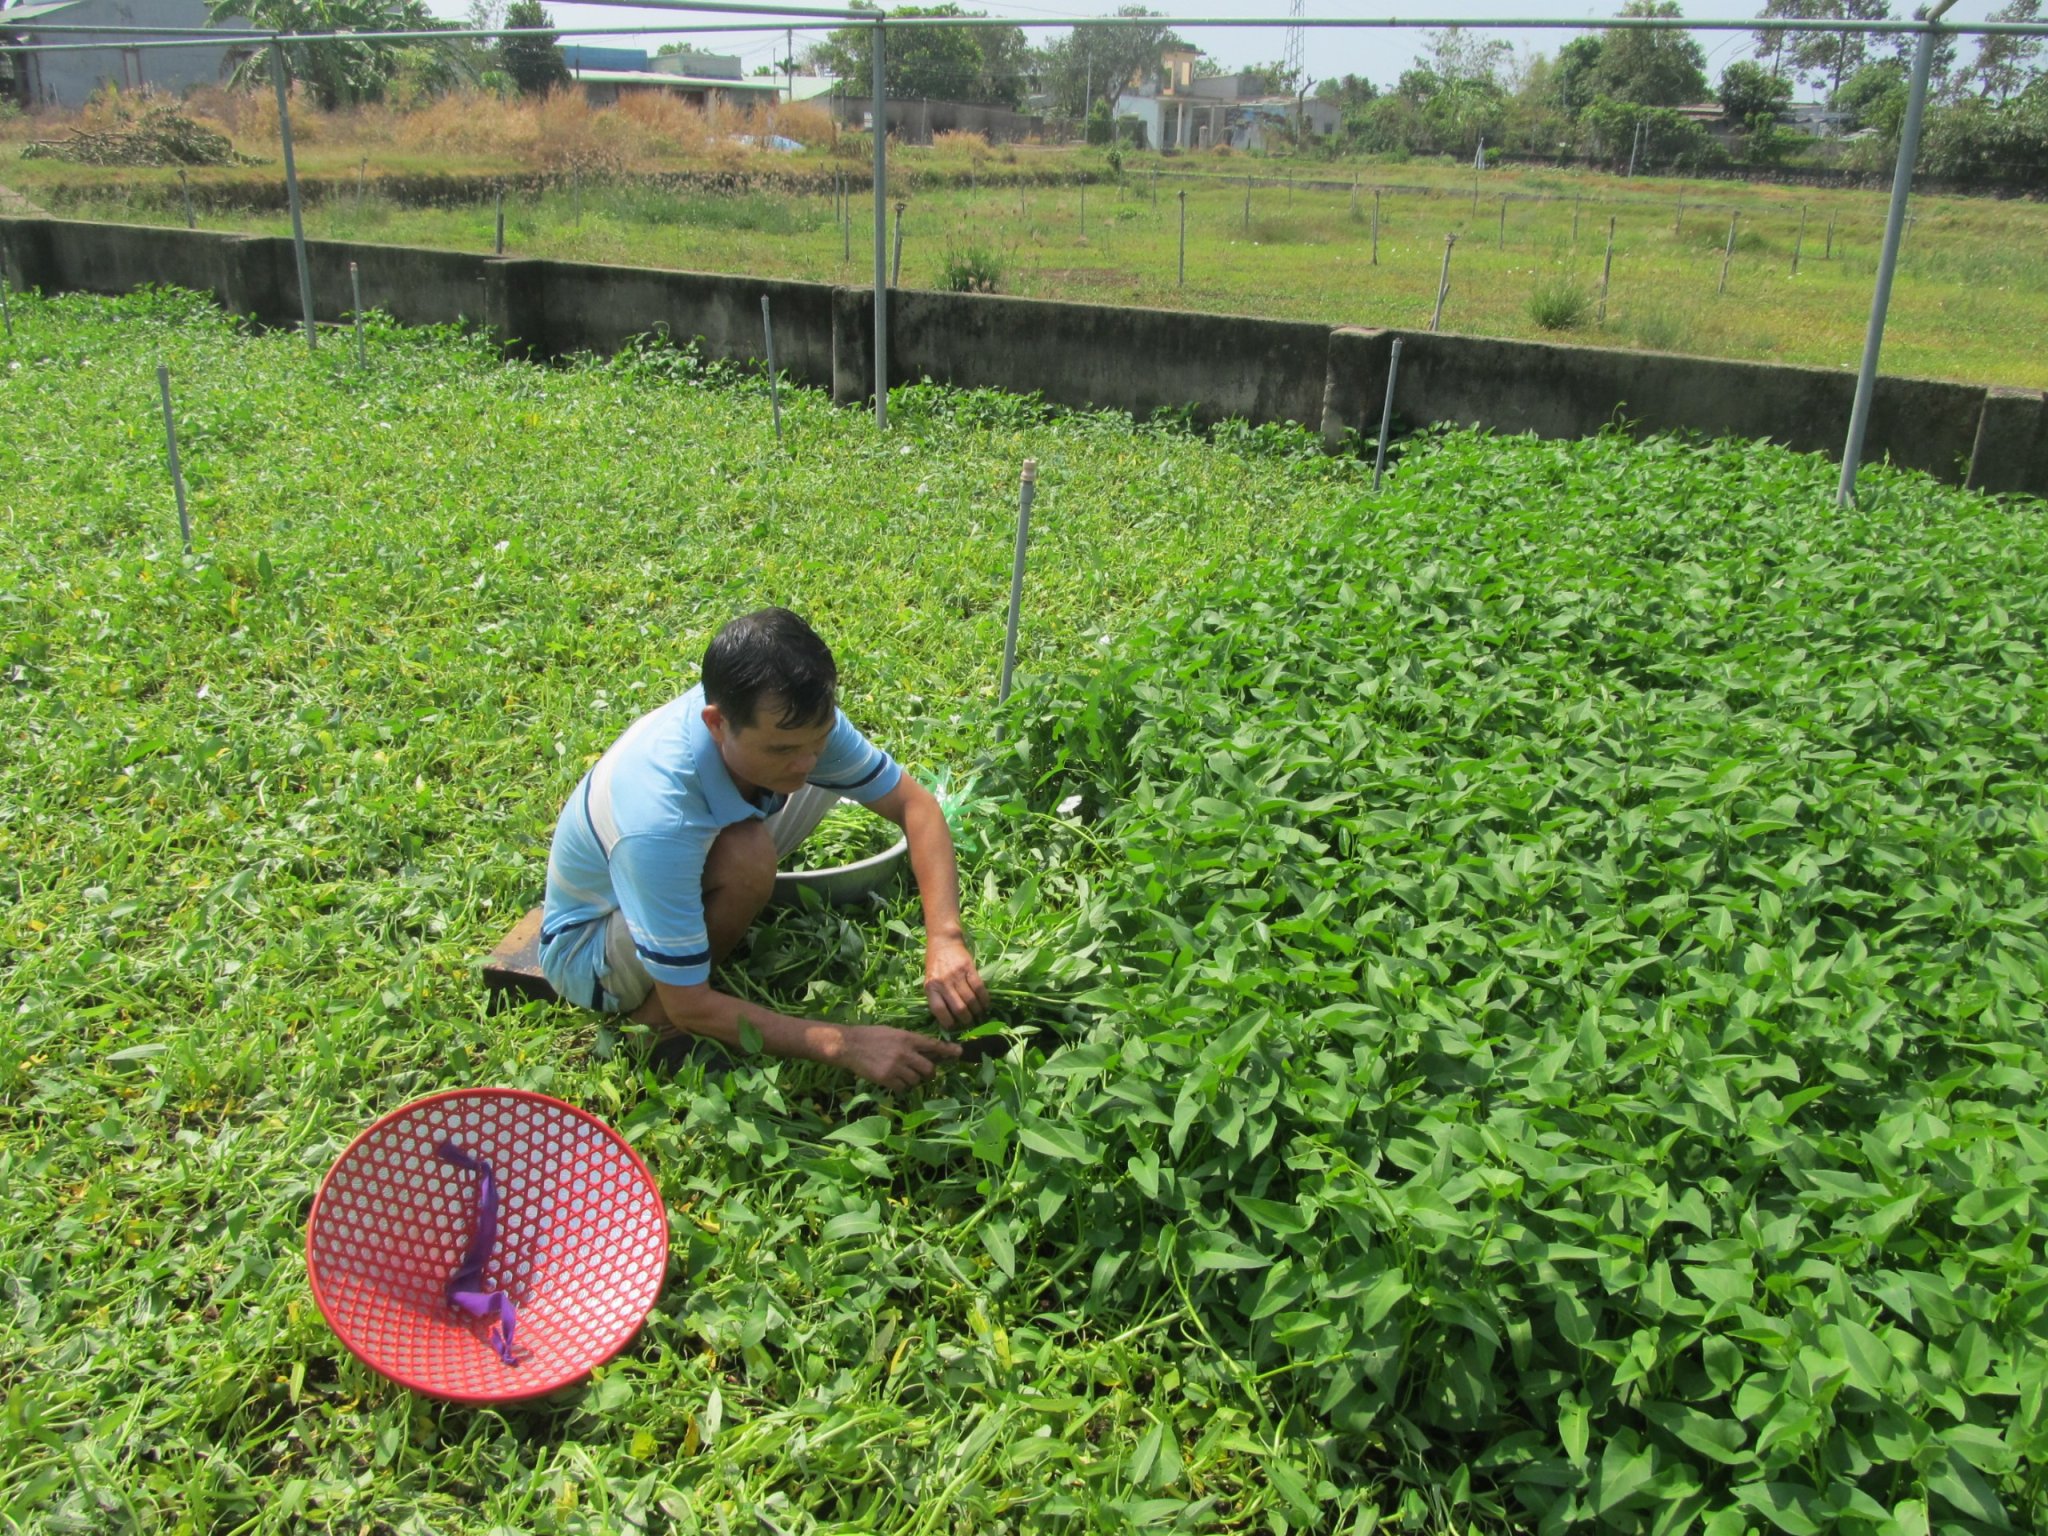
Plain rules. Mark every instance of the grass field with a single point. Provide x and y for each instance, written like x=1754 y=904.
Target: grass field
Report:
x=1972 y=288
x=1538 y=974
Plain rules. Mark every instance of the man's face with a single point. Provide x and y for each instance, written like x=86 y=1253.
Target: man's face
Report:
x=765 y=755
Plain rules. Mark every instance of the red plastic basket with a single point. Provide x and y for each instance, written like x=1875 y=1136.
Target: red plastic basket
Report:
x=582 y=1243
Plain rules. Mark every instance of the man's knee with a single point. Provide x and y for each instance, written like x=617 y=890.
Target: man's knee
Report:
x=741 y=864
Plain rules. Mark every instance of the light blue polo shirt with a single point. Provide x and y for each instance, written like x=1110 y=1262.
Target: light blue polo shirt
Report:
x=670 y=796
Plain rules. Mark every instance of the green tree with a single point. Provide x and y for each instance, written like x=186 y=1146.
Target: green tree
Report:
x=1749 y=90
x=984 y=65
x=337 y=72
x=1576 y=79
x=1823 y=59
x=2004 y=63
x=1094 y=63
x=1349 y=92
x=1874 y=97
x=1651 y=67
x=534 y=62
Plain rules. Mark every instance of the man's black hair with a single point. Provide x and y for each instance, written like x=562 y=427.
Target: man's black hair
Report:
x=772 y=652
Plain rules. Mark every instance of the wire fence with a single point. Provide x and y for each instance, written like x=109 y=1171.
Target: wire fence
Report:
x=1924 y=29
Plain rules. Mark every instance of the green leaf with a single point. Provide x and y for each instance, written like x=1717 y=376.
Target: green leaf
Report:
x=1790 y=1507
x=995 y=1238
x=1054 y=1141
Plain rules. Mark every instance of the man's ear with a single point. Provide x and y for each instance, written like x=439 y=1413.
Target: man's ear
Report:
x=714 y=722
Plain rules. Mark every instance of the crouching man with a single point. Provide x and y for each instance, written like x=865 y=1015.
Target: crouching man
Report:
x=666 y=853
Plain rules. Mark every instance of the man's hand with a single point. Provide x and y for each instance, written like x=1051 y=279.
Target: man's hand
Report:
x=952 y=984
x=895 y=1059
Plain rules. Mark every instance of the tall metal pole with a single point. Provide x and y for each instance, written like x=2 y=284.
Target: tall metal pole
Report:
x=881 y=238
x=1026 y=490
x=1888 y=259
x=291 y=185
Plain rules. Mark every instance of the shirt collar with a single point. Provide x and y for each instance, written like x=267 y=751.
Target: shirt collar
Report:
x=723 y=798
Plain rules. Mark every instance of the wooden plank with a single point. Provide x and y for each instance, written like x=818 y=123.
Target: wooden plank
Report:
x=512 y=972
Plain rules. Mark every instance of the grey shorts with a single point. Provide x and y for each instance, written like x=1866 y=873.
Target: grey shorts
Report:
x=596 y=964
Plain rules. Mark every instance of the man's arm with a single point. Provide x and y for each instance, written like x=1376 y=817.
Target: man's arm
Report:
x=895 y=1059
x=952 y=984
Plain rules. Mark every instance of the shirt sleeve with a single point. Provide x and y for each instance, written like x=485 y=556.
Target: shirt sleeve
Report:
x=855 y=766
x=659 y=883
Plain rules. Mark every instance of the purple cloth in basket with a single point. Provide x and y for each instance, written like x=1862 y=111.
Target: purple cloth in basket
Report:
x=465 y=1286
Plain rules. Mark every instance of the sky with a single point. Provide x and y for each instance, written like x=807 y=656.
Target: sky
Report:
x=1380 y=55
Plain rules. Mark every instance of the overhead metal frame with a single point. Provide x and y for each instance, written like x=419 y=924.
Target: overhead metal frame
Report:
x=1927 y=25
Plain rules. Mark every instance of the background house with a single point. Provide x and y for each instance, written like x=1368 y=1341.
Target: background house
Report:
x=606 y=74
x=1183 y=110
x=67 y=79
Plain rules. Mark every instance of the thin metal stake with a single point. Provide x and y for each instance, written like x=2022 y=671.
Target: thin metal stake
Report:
x=1829 y=253
x=1247 y=205
x=1502 y=243
x=774 y=378
x=1375 y=226
x=576 y=186
x=1577 y=199
x=1443 y=282
x=896 y=270
x=1606 y=270
x=291 y=186
x=1379 y=458
x=362 y=173
x=6 y=314
x=163 y=384
x=1799 y=240
x=355 y=292
x=185 y=192
x=501 y=218
x=1183 y=280
x=1027 y=488
x=1084 y=210
x=1678 y=224
x=1728 y=254
x=1354 y=196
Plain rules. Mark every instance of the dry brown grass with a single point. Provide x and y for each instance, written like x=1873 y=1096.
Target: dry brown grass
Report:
x=644 y=132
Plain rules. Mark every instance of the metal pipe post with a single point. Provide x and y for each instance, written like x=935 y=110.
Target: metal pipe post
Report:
x=1829 y=253
x=501 y=219
x=1577 y=199
x=881 y=115
x=1375 y=226
x=1247 y=204
x=7 y=315
x=362 y=175
x=1606 y=270
x=1634 y=142
x=355 y=293
x=1354 y=195
x=185 y=193
x=896 y=268
x=291 y=186
x=1728 y=254
x=1888 y=258
x=774 y=378
x=1027 y=488
x=1183 y=280
x=163 y=384
x=1799 y=240
x=1443 y=283
x=1678 y=224
x=1379 y=458
x=1502 y=243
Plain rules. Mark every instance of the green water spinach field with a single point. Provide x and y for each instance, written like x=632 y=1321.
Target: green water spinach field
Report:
x=1527 y=989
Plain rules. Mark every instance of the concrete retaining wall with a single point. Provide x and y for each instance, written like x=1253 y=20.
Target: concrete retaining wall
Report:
x=1135 y=360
